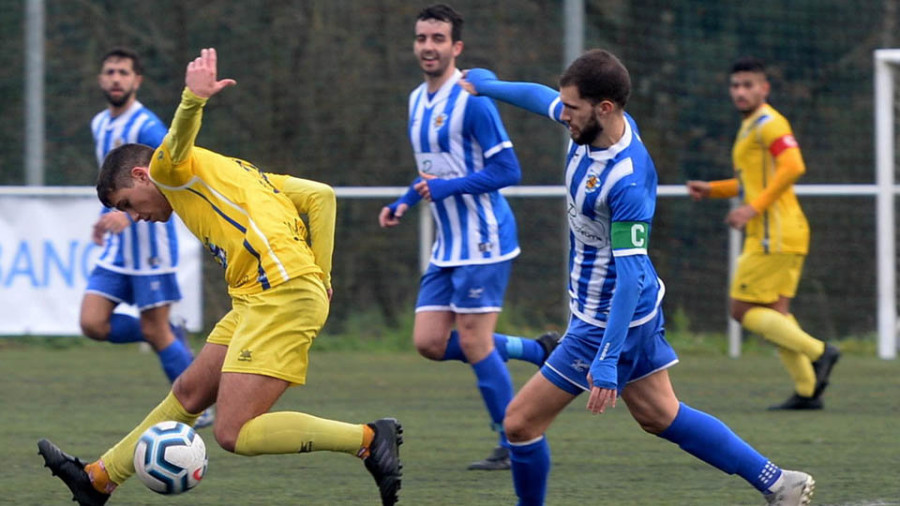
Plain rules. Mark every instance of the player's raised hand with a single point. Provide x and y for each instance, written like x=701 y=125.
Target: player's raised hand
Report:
x=201 y=77
x=466 y=85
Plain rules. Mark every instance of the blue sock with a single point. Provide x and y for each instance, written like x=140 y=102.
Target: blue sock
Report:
x=124 y=329
x=454 y=350
x=530 y=469
x=711 y=441
x=175 y=359
x=508 y=347
x=519 y=348
x=496 y=389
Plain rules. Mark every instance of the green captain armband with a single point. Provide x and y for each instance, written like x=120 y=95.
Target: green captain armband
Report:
x=630 y=237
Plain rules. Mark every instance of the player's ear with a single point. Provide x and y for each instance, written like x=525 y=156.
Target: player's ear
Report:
x=457 y=48
x=140 y=174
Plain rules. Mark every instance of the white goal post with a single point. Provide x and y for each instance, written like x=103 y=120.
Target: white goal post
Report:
x=885 y=61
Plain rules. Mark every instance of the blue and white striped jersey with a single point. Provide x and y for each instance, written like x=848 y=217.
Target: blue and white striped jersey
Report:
x=142 y=248
x=453 y=134
x=606 y=186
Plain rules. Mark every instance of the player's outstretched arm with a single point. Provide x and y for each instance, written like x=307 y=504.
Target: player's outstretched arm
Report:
x=201 y=75
x=533 y=97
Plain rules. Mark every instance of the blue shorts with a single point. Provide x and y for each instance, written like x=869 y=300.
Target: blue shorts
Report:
x=465 y=288
x=644 y=352
x=145 y=292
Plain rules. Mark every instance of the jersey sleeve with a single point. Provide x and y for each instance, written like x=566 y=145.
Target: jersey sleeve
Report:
x=171 y=163
x=152 y=133
x=777 y=135
x=629 y=201
x=779 y=140
x=317 y=202
x=483 y=121
x=533 y=97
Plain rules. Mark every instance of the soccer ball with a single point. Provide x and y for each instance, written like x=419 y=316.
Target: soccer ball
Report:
x=170 y=458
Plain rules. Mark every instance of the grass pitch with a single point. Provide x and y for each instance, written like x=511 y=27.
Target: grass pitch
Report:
x=84 y=396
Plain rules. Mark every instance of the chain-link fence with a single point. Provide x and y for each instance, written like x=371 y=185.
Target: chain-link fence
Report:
x=322 y=92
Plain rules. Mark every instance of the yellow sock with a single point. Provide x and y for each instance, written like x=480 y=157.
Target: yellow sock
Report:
x=119 y=460
x=800 y=368
x=797 y=324
x=292 y=432
x=783 y=331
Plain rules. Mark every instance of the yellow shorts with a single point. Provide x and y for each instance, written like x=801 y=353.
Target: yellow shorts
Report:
x=269 y=333
x=764 y=277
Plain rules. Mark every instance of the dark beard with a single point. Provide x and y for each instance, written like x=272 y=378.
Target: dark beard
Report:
x=118 y=102
x=589 y=133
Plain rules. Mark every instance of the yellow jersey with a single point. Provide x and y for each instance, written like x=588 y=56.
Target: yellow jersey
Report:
x=249 y=225
x=767 y=161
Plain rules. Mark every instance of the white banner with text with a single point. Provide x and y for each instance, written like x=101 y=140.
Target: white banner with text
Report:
x=46 y=255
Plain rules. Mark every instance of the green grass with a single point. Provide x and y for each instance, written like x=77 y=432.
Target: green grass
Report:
x=84 y=396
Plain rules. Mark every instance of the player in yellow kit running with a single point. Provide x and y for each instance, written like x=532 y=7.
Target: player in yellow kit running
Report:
x=767 y=162
x=280 y=289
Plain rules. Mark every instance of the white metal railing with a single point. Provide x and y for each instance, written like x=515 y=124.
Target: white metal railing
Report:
x=887 y=316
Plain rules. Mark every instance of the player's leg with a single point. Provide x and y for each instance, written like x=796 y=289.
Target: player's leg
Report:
x=107 y=289
x=433 y=332
x=174 y=356
x=528 y=416
x=269 y=352
x=194 y=390
x=760 y=299
x=477 y=300
x=154 y=296
x=653 y=404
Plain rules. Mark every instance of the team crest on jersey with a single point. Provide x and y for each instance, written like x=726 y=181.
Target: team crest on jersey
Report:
x=591 y=182
x=439 y=121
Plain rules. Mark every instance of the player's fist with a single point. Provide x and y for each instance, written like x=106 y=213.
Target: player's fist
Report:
x=698 y=190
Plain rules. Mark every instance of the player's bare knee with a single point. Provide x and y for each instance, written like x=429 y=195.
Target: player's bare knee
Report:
x=93 y=329
x=430 y=348
x=189 y=395
x=225 y=436
x=517 y=431
x=158 y=336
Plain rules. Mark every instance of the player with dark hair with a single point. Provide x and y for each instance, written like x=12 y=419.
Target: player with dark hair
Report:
x=464 y=157
x=138 y=262
x=615 y=343
x=767 y=162
x=280 y=290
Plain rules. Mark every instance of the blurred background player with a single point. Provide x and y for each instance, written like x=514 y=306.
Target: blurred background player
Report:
x=250 y=221
x=464 y=157
x=615 y=343
x=138 y=262
x=767 y=162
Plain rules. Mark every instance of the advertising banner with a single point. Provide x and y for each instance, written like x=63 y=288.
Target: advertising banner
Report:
x=46 y=255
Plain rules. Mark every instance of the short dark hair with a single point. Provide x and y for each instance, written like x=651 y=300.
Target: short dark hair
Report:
x=599 y=76
x=115 y=173
x=443 y=12
x=748 y=64
x=124 y=53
